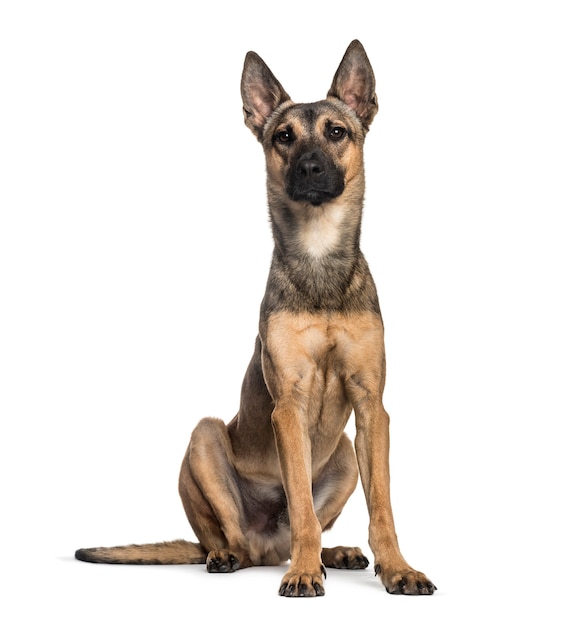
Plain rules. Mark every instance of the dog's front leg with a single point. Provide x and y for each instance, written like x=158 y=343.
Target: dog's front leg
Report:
x=365 y=390
x=289 y=374
x=304 y=576
x=372 y=450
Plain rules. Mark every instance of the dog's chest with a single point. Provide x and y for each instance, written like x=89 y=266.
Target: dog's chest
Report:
x=312 y=358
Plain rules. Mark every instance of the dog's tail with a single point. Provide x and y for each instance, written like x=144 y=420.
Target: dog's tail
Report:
x=165 y=553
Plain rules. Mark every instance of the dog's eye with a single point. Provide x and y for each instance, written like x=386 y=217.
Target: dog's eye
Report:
x=337 y=132
x=283 y=136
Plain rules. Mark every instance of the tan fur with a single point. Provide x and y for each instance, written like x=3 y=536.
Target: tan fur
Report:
x=168 y=552
x=261 y=489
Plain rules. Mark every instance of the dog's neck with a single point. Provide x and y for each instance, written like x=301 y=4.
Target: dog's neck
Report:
x=316 y=252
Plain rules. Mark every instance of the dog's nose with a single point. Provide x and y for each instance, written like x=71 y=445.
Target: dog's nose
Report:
x=309 y=166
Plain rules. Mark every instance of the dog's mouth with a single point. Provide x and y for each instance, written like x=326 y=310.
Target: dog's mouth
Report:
x=314 y=179
x=315 y=197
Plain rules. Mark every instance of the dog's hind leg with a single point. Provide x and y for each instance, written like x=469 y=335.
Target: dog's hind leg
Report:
x=211 y=497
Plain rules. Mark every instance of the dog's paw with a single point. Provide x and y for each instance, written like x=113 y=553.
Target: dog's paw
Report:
x=343 y=557
x=295 y=585
x=406 y=582
x=222 y=562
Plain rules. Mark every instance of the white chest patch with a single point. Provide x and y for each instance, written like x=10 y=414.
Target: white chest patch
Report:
x=320 y=232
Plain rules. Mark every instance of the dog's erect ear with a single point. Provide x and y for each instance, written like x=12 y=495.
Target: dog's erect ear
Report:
x=261 y=92
x=354 y=83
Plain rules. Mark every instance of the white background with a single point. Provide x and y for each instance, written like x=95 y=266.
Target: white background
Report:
x=134 y=248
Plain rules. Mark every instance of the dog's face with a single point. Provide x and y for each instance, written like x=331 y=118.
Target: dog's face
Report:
x=313 y=151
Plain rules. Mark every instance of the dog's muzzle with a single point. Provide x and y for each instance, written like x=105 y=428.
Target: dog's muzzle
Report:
x=315 y=179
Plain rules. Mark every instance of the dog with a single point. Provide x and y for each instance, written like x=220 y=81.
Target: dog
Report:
x=261 y=489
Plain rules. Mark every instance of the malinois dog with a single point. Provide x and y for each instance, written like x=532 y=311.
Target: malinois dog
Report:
x=261 y=489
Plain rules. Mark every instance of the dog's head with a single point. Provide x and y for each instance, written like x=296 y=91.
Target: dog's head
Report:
x=312 y=150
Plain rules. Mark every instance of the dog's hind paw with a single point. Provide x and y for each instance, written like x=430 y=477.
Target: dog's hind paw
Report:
x=343 y=557
x=222 y=562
